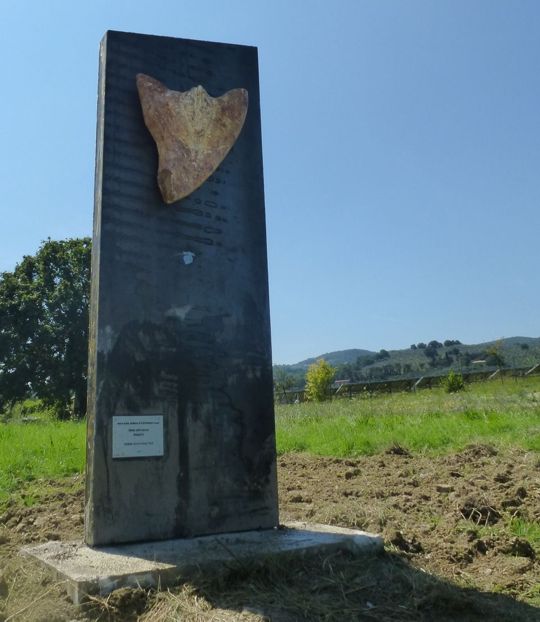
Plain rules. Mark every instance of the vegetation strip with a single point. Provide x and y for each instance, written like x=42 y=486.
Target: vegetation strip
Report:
x=502 y=413
x=29 y=451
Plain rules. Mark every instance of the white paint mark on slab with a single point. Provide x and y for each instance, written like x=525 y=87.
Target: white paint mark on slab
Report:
x=187 y=257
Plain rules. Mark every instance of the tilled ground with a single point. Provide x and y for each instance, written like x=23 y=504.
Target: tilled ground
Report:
x=461 y=533
x=452 y=515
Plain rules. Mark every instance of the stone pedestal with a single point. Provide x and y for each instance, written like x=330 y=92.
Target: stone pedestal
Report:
x=101 y=570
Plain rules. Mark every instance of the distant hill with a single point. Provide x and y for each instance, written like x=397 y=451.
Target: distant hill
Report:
x=428 y=358
x=339 y=357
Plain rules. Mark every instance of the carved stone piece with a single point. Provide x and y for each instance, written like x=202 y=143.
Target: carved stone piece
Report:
x=193 y=132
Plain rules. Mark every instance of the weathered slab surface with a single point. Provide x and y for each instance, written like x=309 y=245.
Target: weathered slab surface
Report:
x=149 y=564
x=180 y=335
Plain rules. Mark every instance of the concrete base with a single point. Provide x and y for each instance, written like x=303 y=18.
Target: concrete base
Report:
x=101 y=570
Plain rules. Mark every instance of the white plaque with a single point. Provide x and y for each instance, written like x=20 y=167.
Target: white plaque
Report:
x=137 y=436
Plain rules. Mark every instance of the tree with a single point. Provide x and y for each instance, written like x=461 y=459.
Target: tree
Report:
x=431 y=353
x=319 y=377
x=282 y=381
x=452 y=383
x=44 y=326
x=494 y=354
x=452 y=342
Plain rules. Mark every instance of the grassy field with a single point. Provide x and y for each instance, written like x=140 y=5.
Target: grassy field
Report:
x=39 y=450
x=502 y=413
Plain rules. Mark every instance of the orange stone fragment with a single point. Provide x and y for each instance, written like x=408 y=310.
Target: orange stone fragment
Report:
x=193 y=132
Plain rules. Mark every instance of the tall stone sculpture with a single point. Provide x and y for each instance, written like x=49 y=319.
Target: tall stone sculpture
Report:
x=180 y=412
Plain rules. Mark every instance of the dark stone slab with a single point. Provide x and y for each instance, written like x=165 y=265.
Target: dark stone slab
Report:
x=179 y=324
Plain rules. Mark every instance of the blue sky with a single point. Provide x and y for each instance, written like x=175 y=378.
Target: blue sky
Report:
x=401 y=151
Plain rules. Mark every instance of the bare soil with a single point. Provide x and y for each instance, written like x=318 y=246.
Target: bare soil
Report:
x=447 y=515
x=454 y=550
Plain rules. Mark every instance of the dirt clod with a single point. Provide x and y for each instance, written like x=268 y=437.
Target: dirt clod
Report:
x=398 y=450
x=521 y=492
x=130 y=602
x=476 y=451
x=521 y=548
x=481 y=546
x=479 y=511
x=407 y=545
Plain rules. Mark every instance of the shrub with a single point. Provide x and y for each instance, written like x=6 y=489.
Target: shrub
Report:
x=319 y=377
x=453 y=382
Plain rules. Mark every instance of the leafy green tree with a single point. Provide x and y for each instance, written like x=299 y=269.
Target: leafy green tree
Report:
x=319 y=377
x=452 y=342
x=364 y=361
x=431 y=353
x=44 y=326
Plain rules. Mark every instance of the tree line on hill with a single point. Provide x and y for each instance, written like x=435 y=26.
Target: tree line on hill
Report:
x=430 y=358
x=438 y=356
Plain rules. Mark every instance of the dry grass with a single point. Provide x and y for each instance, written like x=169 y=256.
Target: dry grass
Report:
x=320 y=588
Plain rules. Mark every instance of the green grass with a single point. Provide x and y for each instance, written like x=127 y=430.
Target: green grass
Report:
x=28 y=410
x=39 y=450
x=530 y=530
x=501 y=413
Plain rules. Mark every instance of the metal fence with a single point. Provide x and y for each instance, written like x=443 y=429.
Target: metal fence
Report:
x=396 y=385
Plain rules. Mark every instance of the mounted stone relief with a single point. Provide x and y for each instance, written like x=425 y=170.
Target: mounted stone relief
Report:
x=192 y=130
